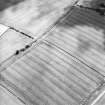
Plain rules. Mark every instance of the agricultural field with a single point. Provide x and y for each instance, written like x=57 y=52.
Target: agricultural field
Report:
x=52 y=53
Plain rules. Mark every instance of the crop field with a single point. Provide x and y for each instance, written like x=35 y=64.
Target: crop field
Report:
x=52 y=53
